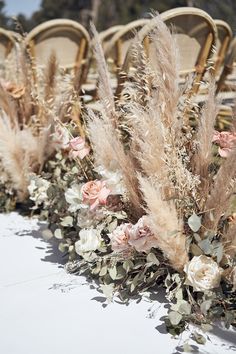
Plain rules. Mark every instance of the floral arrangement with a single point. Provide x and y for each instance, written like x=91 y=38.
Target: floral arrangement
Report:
x=143 y=199
x=34 y=104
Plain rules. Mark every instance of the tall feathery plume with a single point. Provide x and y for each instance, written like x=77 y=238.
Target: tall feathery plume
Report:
x=29 y=83
x=109 y=150
x=203 y=155
x=164 y=60
x=104 y=87
x=148 y=145
x=165 y=224
x=109 y=130
x=9 y=106
x=229 y=241
x=12 y=157
x=50 y=76
x=165 y=100
x=221 y=191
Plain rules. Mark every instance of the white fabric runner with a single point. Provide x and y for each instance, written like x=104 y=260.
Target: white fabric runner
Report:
x=44 y=310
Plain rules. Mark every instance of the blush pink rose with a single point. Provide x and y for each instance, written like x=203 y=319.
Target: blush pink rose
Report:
x=141 y=237
x=78 y=147
x=120 y=238
x=95 y=193
x=226 y=142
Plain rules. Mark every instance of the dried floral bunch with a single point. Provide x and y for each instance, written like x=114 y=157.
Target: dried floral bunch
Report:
x=155 y=204
x=34 y=105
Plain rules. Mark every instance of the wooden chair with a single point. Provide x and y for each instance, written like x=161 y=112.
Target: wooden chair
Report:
x=195 y=33
x=7 y=42
x=67 y=39
x=229 y=66
x=117 y=49
x=224 y=38
x=106 y=36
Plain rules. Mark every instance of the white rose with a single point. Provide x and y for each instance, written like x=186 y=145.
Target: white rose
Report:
x=114 y=180
x=73 y=197
x=202 y=273
x=90 y=240
x=38 y=189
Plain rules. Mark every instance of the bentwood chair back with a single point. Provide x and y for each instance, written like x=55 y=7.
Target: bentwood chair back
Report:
x=195 y=34
x=106 y=35
x=117 y=49
x=7 y=43
x=67 y=39
x=229 y=66
x=224 y=38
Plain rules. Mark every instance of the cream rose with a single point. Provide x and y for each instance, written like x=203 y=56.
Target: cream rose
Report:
x=141 y=237
x=95 y=193
x=73 y=197
x=202 y=273
x=120 y=238
x=89 y=241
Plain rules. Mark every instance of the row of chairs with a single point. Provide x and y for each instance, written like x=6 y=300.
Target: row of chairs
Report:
x=199 y=37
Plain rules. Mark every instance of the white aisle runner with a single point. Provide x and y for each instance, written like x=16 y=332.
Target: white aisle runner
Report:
x=43 y=310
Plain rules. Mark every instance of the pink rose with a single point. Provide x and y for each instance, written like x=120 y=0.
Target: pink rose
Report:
x=141 y=237
x=226 y=142
x=120 y=238
x=78 y=148
x=95 y=193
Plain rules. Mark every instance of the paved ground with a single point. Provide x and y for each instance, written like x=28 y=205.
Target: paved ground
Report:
x=43 y=310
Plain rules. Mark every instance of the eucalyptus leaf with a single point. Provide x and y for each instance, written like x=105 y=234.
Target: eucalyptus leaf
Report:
x=112 y=226
x=108 y=290
x=58 y=234
x=175 y=317
x=194 y=222
x=103 y=271
x=113 y=272
x=47 y=234
x=151 y=258
x=199 y=338
x=62 y=247
x=184 y=307
x=205 y=306
x=195 y=249
x=127 y=265
x=206 y=246
x=188 y=348
x=67 y=221
x=206 y=327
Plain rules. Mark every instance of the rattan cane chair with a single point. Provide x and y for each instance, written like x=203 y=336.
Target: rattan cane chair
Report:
x=106 y=36
x=195 y=33
x=6 y=43
x=229 y=66
x=117 y=49
x=67 y=39
x=224 y=38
